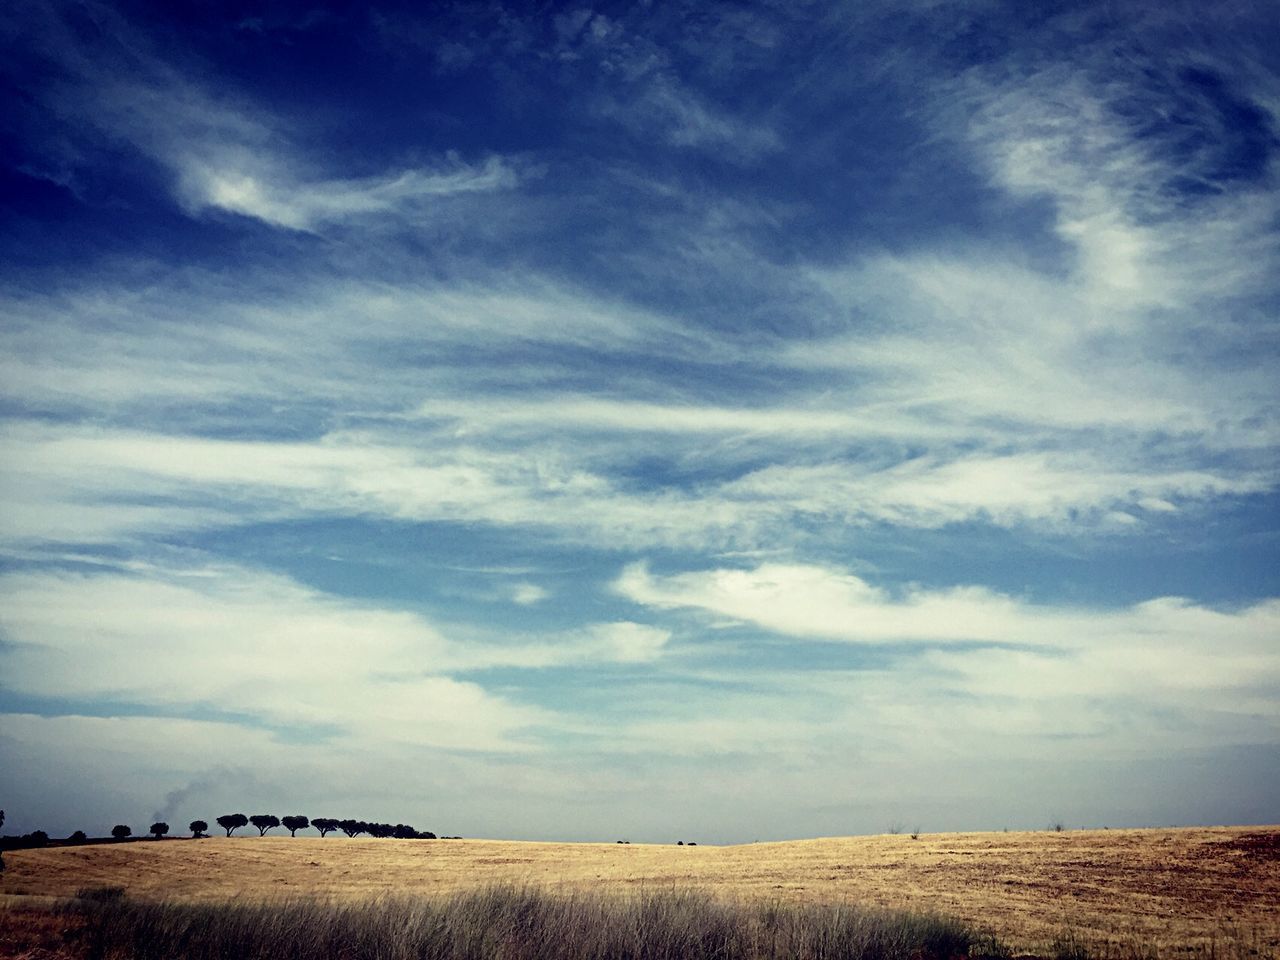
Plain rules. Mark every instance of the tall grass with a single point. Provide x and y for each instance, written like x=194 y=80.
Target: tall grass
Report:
x=512 y=923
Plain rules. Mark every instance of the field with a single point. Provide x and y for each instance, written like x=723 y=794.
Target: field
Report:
x=1161 y=891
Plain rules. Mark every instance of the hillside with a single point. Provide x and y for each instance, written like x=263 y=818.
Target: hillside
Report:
x=1164 y=887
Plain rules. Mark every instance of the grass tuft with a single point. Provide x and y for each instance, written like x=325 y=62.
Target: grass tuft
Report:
x=514 y=923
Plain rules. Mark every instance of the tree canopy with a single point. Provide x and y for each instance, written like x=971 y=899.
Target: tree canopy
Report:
x=295 y=823
x=264 y=822
x=232 y=821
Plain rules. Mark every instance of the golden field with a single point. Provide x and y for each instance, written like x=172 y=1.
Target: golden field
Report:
x=1161 y=889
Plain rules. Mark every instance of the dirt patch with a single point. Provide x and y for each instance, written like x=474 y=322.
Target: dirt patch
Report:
x=1258 y=846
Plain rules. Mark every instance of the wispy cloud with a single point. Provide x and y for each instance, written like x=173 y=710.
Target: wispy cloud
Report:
x=222 y=151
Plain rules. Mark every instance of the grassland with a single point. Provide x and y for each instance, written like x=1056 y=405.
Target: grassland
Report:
x=1160 y=891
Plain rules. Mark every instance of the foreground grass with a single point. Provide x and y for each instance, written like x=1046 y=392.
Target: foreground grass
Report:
x=513 y=923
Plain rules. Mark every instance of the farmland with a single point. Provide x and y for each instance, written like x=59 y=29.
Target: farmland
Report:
x=1161 y=889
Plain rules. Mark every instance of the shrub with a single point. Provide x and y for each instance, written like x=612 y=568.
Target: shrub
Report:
x=100 y=894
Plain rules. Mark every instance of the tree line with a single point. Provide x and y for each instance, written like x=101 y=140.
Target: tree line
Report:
x=231 y=822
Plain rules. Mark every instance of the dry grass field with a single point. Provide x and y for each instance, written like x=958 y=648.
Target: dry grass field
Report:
x=1162 y=890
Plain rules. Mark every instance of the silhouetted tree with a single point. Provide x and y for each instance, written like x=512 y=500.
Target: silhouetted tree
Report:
x=325 y=825
x=381 y=830
x=78 y=837
x=36 y=838
x=402 y=831
x=294 y=824
x=198 y=828
x=120 y=831
x=264 y=822
x=353 y=827
x=159 y=829
x=232 y=821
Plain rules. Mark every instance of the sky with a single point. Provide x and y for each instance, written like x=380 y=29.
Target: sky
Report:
x=651 y=420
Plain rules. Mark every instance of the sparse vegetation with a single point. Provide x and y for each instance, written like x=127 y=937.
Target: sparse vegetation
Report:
x=514 y=923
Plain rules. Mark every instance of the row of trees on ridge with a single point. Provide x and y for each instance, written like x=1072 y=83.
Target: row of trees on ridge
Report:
x=232 y=822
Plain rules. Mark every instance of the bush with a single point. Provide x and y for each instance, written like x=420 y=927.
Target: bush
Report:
x=100 y=894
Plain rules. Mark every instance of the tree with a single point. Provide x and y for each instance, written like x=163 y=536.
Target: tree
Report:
x=198 y=828
x=78 y=837
x=325 y=825
x=159 y=829
x=295 y=823
x=120 y=831
x=232 y=821
x=353 y=827
x=264 y=822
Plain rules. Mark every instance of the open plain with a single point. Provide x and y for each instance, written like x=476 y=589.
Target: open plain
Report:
x=1160 y=890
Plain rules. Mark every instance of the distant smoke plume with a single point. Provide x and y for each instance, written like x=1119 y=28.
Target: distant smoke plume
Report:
x=206 y=785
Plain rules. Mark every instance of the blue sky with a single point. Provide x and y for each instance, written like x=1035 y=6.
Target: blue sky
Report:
x=663 y=420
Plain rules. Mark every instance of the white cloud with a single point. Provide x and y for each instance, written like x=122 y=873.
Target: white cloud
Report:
x=965 y=668
x=264 y=188
x=248 y=643
x=527 y=594
x=822 y=603
x=225 y=152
